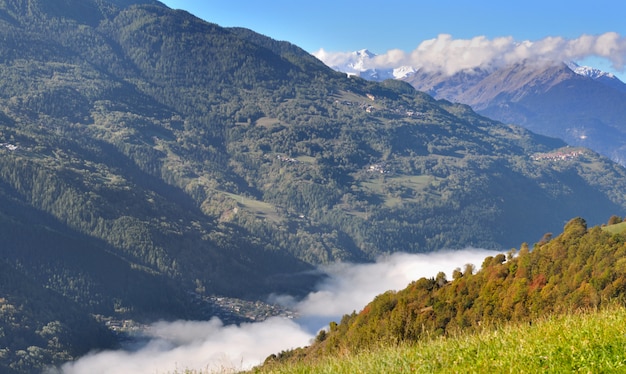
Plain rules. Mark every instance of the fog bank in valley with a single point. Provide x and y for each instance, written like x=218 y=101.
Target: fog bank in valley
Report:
x=210 y=346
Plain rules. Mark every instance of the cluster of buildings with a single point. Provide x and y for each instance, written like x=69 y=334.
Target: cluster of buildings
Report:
x=249 y=310
x=124 y=327
x=9 y=146
x=284 y=158
x=377 y=168
x=557 y=156
x=371 y=109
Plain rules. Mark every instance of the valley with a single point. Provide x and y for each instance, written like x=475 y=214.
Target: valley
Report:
x=160 y=170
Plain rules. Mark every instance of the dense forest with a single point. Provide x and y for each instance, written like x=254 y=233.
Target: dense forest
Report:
x=580 y=269
x=149 y=159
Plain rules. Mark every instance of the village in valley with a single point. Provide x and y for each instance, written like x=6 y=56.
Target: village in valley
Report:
x=229 y=310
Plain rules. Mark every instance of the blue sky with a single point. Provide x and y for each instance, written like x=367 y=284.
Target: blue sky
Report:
x=342 y=26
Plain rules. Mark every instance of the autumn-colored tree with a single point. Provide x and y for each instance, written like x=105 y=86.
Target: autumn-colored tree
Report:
x=581 y=268
x=614 y=220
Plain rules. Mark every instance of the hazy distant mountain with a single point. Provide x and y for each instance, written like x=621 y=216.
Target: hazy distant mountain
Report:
x=149 y=159
x=582 y=105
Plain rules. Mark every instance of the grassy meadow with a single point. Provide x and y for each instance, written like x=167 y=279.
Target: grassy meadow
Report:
x=586 y=342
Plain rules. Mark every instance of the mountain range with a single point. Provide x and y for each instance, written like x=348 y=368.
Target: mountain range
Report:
x=582 y=105
x=150 y=160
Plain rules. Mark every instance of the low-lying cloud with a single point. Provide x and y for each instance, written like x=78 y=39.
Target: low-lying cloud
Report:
x=197 y=345
x=350 y=287
x=448 y=55
x=210 y=346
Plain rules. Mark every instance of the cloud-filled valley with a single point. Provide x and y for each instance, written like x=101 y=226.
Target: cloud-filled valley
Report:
x=214 y=347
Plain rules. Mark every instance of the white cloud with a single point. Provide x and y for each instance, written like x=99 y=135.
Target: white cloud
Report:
x=212 y=347
x=208 y=346
x=350 y=287
x=448 y=55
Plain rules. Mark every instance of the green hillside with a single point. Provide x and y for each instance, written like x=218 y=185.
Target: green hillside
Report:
x=592 y=341
x=580 y=269
x=149 y=159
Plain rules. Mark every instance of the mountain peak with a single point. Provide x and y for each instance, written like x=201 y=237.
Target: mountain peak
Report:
x=360 y=63
x=588 y=71
x=598 y=75
x=359 y=60
x=364 y=53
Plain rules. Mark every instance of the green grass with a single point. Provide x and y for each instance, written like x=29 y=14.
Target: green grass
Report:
x=259 y=208
x=268 y=122
x=616 y=228
x=593 y=342
x=351 y=96
x=306 y=159
x=415 y=183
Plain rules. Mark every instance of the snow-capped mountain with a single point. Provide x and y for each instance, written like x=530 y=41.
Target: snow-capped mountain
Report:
x=597 y=74
x=588 y=71
x=362 y=63
x=359 y=60
x=403 y=71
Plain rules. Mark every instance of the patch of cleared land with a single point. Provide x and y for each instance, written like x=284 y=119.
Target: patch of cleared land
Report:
x=259 y=208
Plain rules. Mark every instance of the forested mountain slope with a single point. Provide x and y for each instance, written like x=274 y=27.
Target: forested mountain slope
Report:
x=149 y=158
